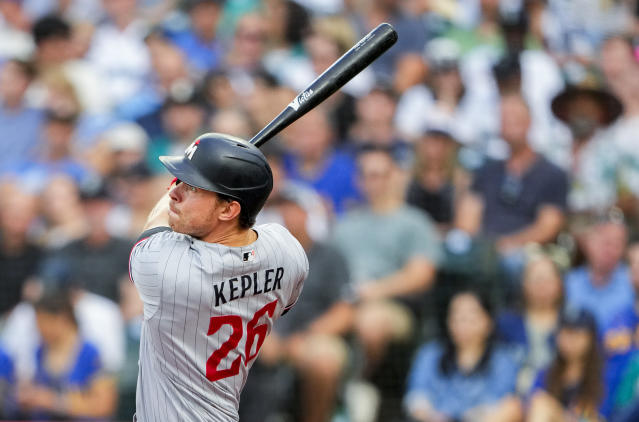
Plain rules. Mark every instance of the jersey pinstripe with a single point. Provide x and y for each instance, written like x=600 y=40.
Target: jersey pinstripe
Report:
x=207 y=308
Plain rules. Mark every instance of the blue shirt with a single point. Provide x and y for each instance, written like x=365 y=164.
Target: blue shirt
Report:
x=85 y=367
x=335 y=181
x=603 y=301
x=6 y=367
x=78 y=376
x=19 y=134
x=455 y=394
x=202 y=56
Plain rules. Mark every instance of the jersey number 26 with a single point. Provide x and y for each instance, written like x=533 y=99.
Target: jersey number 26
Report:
x=252 y=331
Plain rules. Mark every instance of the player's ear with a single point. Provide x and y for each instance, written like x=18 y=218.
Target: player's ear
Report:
x=230 y=210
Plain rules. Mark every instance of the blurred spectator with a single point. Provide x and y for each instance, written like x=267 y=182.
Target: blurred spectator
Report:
x=54 y=51
x=602 y=285
x=436 y=182
x=19 y=256
x=621 y=70
x=183 y=119
x=62 y=213
x=20 y=124
x=137 y=190
x=7 y=384
x=199 y=42
x=467 y=375
x=318 y=223
x=314 y=160
x=592 y=156
x=621 y=336
x=374 y=123
x=56 y=153
x=118 y=148
x=516 y=201
x=244 y=58
x=99 y=322
x=309 y=338
x=572 y=388
x=411 y=39
x=444 y=99
x=533 y=328
x=392 y=251
x=118 y=51
x=169 y=72
x=69 y=380
x=232 y=121
x=98 y=259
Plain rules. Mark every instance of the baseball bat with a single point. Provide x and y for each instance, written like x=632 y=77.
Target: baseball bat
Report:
x=343 y=70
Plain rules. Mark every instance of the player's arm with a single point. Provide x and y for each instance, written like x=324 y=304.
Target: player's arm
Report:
x=159 y=215
x=544 y=229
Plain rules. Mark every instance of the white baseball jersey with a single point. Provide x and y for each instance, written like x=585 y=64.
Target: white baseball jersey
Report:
x=207 y=310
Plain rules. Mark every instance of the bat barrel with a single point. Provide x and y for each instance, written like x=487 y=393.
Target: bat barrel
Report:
x=362 y=54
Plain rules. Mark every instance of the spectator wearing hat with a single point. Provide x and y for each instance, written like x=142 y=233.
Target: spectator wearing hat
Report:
x=20 y=124
x=592 y=157
x=572 y=387
x=515 y=201
x=310 y=339
x=199 y=42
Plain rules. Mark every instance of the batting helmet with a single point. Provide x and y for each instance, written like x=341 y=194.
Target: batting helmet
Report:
x=226 y=165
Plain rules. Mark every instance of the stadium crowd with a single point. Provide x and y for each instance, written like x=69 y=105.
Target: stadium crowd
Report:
x=469 y=203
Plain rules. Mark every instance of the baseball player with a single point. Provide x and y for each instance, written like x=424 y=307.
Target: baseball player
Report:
x=212 y=285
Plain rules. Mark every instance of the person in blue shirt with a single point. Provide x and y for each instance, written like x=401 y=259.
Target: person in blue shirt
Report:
x=69 y=380
x=20 y=124
x=199 y=42
x=467 y=375
x=315 y=161
x=602 y=286
x=531 y=330
x=572 y=387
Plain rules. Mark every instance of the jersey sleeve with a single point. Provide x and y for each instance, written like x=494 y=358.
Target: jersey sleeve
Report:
x=144 y=267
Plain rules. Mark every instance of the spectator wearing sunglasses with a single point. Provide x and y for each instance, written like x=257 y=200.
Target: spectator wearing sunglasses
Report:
x=518 y=200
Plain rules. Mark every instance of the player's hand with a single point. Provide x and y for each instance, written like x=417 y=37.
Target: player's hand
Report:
x=368 y=291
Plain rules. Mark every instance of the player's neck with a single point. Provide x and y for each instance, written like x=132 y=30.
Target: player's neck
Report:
x=231 y=236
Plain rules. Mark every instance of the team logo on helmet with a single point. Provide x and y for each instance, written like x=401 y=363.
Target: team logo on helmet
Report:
x=191 y=149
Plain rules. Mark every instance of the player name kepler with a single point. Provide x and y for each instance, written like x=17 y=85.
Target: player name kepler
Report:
x=248 y=284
